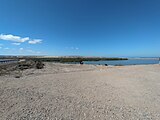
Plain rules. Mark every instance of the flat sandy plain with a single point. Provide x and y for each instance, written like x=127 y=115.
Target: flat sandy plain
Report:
x=82 y=92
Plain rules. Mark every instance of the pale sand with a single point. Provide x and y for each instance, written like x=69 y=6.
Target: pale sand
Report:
x=82 y=92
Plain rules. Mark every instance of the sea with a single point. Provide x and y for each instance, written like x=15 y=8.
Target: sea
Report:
x=145 y=61
x=130 y=61
x=4 y=61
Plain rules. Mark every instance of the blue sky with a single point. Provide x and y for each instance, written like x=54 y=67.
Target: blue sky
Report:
x=111 y=28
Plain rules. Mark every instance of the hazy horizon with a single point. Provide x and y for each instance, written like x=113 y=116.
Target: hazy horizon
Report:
x=130 y=57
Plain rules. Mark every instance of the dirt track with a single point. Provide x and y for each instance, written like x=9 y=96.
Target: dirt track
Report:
x=77 y=92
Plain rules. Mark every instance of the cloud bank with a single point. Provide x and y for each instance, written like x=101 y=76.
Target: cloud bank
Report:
x=18 y=40
x=13 y=38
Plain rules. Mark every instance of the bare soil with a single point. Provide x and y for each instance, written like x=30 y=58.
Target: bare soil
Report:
x=82 y=92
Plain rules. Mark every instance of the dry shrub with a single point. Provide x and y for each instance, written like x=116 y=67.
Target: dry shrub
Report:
x=39 y=65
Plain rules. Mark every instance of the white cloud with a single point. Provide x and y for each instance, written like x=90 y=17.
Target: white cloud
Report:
x=77 y=48
x=16 y=43
x=38 y=52
x=73 y=48
x=29 y=51
x=18 y=40
x=13 y=38
x=6 y=48
x=21 y=49
x=0 y=47
x=33 y=52
x=1 y=44
x=35 y=41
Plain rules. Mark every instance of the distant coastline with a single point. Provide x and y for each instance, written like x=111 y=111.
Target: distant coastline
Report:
x=62 y=59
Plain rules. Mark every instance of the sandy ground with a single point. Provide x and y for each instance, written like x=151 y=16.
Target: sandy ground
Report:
x=82 y=92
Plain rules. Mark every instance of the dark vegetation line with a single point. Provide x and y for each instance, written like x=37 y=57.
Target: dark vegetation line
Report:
x=64 y=60
x=61 y=59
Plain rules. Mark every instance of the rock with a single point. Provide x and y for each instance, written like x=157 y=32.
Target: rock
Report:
x=17 y=76
x=39 y=65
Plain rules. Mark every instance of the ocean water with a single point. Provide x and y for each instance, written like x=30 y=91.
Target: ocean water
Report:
x=9 y=61
x=125 y=62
